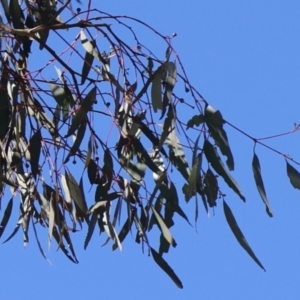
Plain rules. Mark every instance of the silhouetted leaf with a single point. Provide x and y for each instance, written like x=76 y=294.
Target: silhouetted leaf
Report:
x=87 y=64
x=6 y=216
x=214 y=121
x=75 y=192
x=78 y=140
x=260 y=184
x=215 y=160
x=84 y=108
x=156 y=93
x=195 y=121
x=165 y=266
x=163 y=227
x=211 y=188
x=293 y=175
x=91 y=228
x=58 y=93
x=89 y=46
x=238 y=233
x=93 y=173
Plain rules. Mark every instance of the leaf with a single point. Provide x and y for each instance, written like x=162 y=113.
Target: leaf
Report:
x=169 y=85
x=90 y=229
x=165 y=266
x=6 y=216
x=260 y=184
x=163 y=228
x=93 y=173
x=84 y=108
x=89 y=46
x=215 y=121
x=293 y=175
x=75 y=192
x=169 y=130
x=77 y=143
x=215 y=160
x=87 y=64
x=124 y=231
x=195 y=121
x=238 y=233
x=211 y=188
x=58 y=93
x=51 y=216
x=156 y=93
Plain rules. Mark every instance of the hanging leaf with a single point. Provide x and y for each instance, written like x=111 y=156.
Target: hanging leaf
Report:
x=211 y=188
x=77 y=143
x=90 y=229
x=293 y=175
x=75 y=192
x=260 y=184
x=214 y=121
x=165 y=266
x=195 y=121
x=89 y=47
x=163 y=228
x=6 y=216
x=215 y=160
x=156 y=93
x=35 y=150
x=84 y=108
x=238 y=233
x=169 y=130
x=87 y=65
x=58 y=93
x=93 y=173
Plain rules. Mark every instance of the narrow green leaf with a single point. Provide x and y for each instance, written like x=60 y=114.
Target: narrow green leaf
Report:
x=87 y=65
x=293 y=175
x=89 y=46
x=52 y=212
x=84 y=108
x=90 y=229
x=6 y=216
x=260 y=184
x=35 y=150
x=211 y=188
x=77 y=143
x=215 y=121
x=93 y=173
x=215 y=160
x=156 y=93
x=58 y=93
x=238 y=233
x=165 y=266
x=163 y=228
x=75 y=192
x=124 y=231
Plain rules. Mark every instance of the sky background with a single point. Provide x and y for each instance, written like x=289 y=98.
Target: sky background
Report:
x=243 y=56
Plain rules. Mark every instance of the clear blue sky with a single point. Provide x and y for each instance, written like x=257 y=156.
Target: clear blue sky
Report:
x=243 y=56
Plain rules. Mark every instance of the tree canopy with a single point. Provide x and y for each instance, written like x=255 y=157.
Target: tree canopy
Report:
x=87 y=106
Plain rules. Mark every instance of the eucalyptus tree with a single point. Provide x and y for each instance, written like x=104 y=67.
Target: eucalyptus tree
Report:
x=78 y=117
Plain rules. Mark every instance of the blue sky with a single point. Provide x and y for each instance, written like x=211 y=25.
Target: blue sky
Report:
x=243 y=56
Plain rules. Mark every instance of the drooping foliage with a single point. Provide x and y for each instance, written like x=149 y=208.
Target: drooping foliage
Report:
x=86 y=107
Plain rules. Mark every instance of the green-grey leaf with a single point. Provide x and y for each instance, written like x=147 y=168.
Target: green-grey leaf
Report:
x=238 y=233
x=58 y=93
x=214 y=121
x=156 y=95
x=84 y=108
x=6 y=216
x=89 y=46
x=87 y=64
x=215 y=160
x=293 y=175
x=163 y=227
x=75 y=192
x=165 y=266
x=90 y=229
x=195 y=121
x=260 y=184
